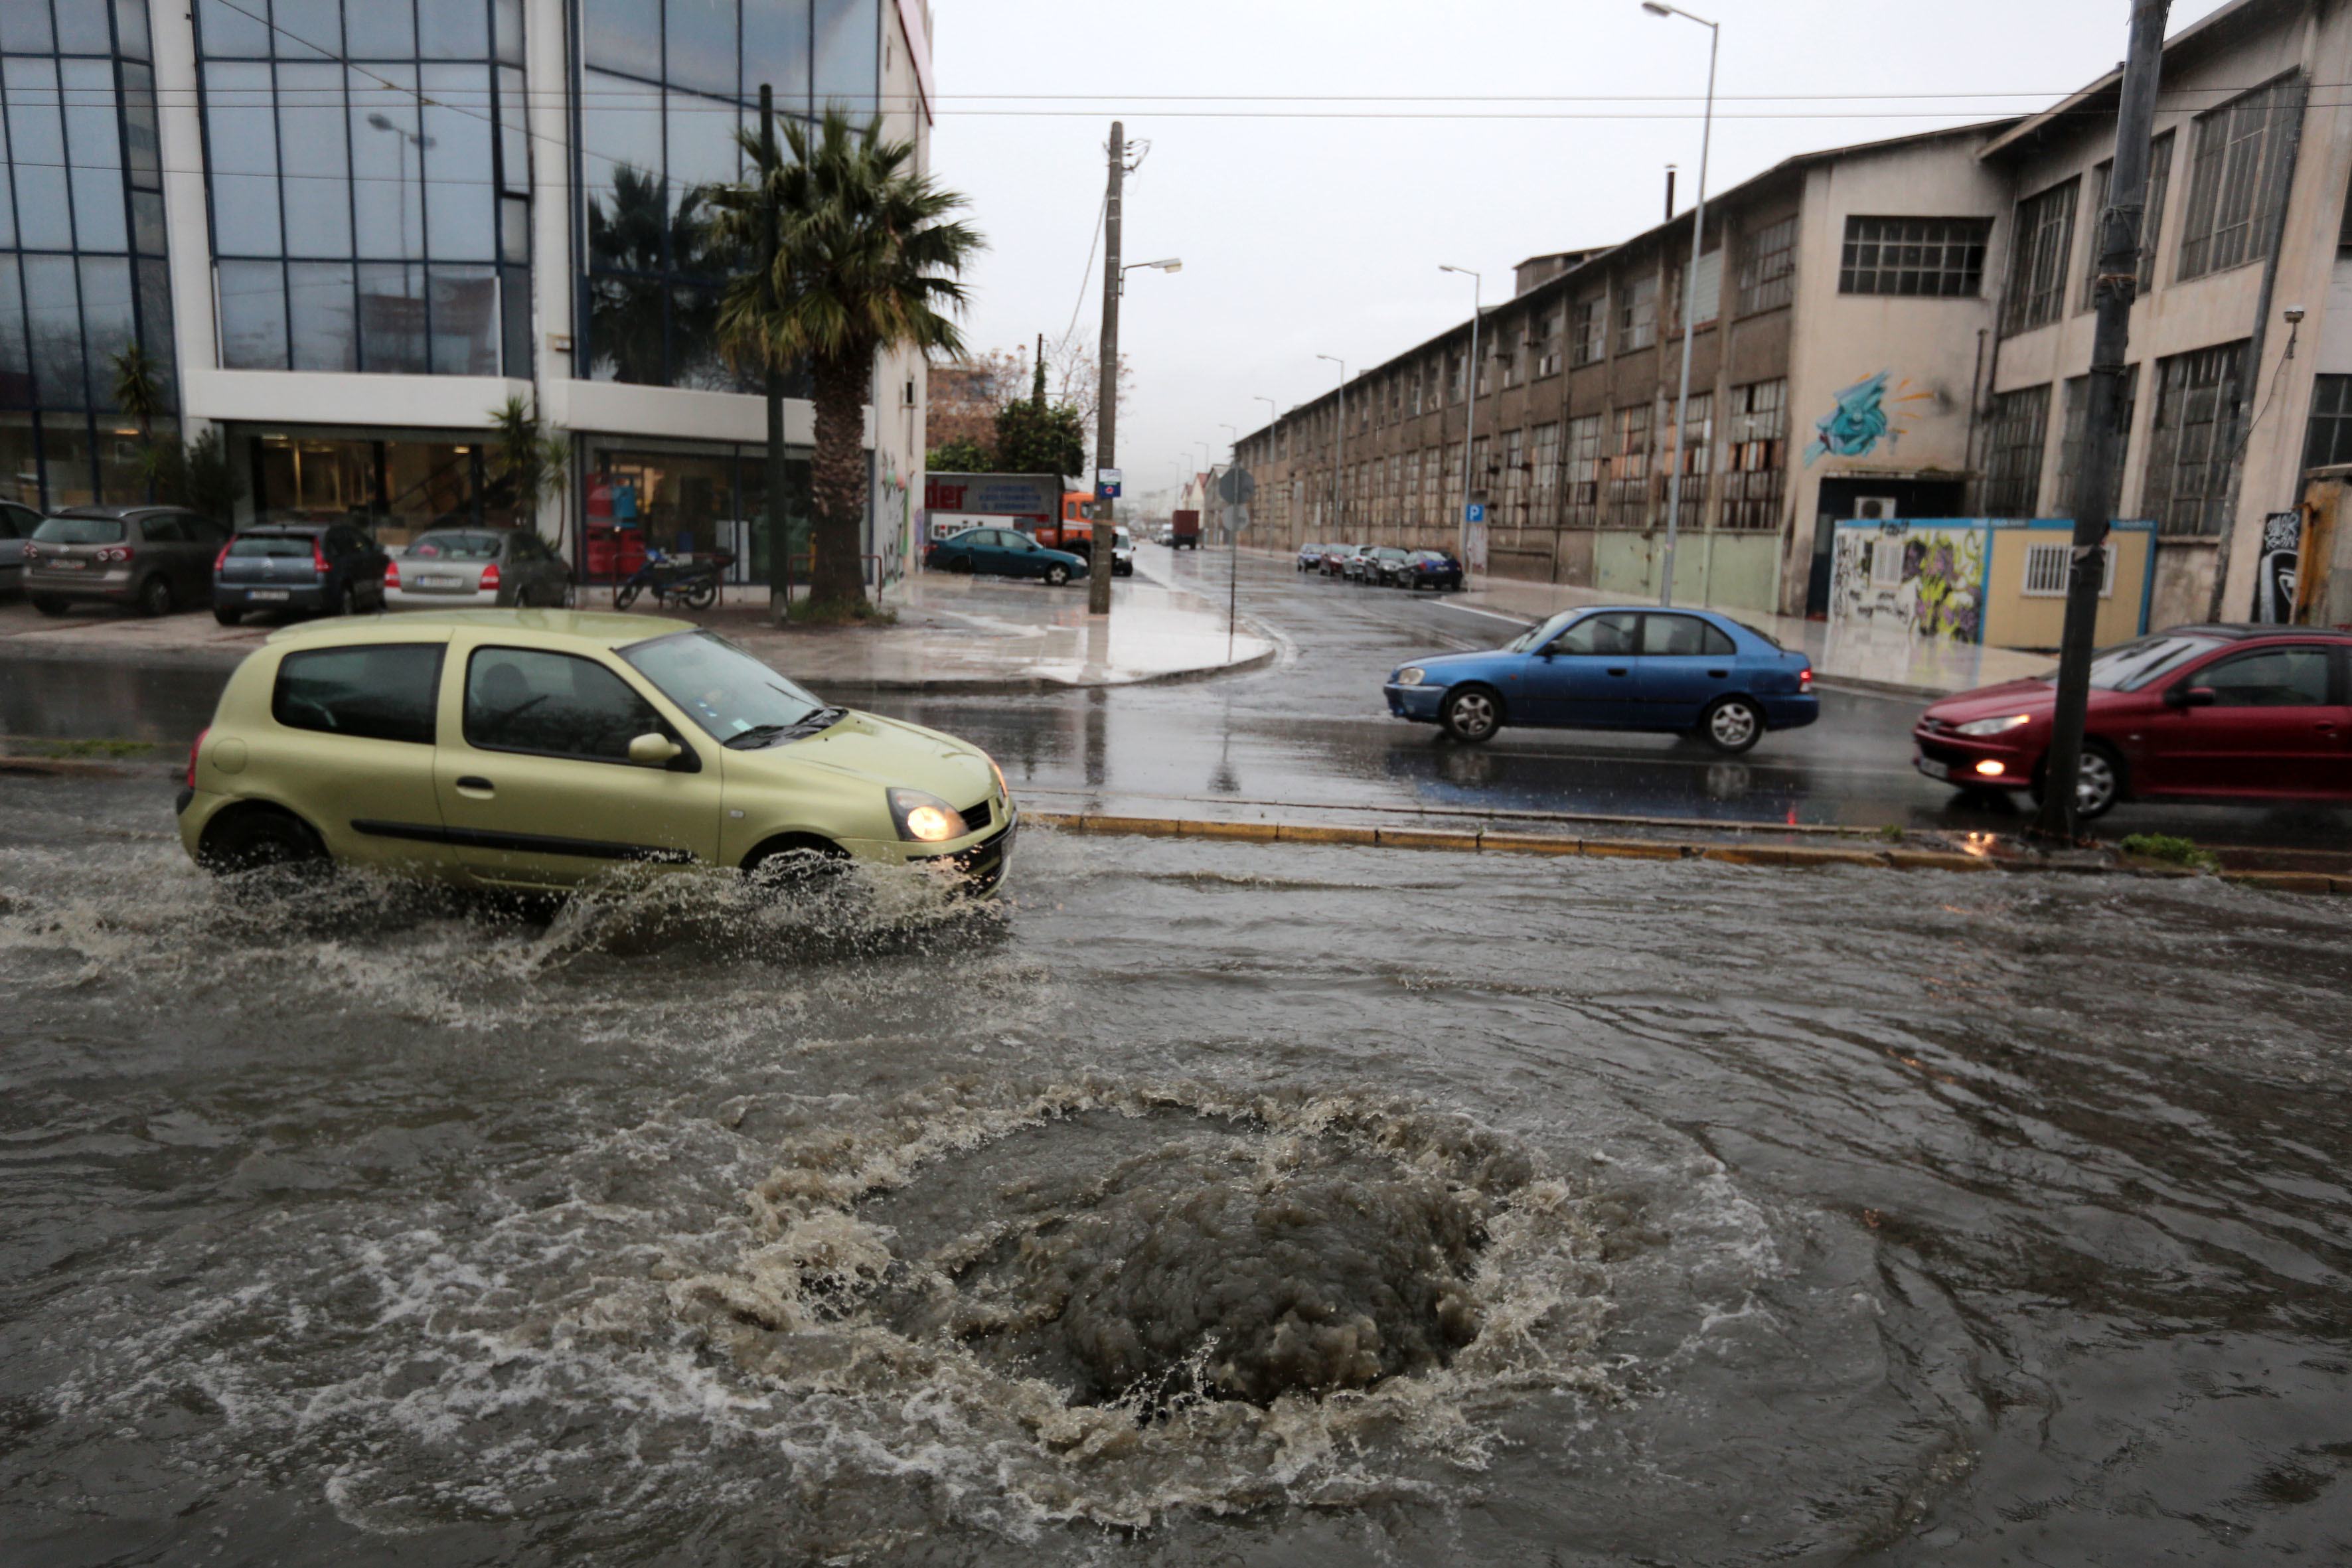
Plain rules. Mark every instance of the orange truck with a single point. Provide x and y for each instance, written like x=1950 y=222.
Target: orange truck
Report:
x=1073 y=531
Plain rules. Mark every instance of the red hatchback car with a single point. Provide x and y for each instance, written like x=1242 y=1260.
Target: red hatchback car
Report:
x=2192 y=712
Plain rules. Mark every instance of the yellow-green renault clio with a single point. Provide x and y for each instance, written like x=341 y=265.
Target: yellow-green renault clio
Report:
x=544 y=748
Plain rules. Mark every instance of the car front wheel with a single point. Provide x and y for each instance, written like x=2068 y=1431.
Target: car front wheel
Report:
x=1732 y=724
x=2098 y=783
x=1472 y=714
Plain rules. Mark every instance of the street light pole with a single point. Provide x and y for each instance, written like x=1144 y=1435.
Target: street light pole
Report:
x=1470 y=423
x=1106 y=395
x=1690 y=293
x=1339 y=443
x=1273 y=417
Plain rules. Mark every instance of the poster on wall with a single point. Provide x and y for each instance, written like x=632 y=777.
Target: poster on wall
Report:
x=1924 y=581
x=2274 y=574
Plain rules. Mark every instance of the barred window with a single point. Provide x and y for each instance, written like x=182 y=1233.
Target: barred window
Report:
x=2046 y=562
x=1757 y=429
x=1767 y=267
x=2021 y=427
x=1637 y=315
x=2187 y=465
x=2070 y=439
x=2239 y=162
x=2329 y=439
x=2037 y=266
x=1941 y=258
x=1583 y=471
x=1588 y=329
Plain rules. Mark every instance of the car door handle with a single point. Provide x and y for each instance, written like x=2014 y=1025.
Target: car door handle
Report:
x=1619 y=670
x=1717 y=674
x=470 y=781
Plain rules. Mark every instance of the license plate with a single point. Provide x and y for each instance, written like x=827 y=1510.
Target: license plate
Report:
x=1934 y=769
x=65 y=563
x=440 y=581
x=268 y=593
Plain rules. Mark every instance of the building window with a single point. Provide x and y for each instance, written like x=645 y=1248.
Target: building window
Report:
x=2070 y=439
x=2151 y=223
x=1710 y=301
x=2328 y=440
x=2037 y=266
x=82 y=275
x=1767 y=267
x=1938 y=258
x=2239 y=160
x=1583 y=471
x=1546 y=346
x=369 y=216
x=1699 y=440
x=1509 y=352
x=1629 y=468
x=2020 y=429
x=1482 y=470
x=2045 y=569
x=1413 y=516
x=1588 y=329
x=1756 y=431
x=1637 y=315
x=2187 y=465
x=1515 y=478
x=1546 y=478
x=663 y=87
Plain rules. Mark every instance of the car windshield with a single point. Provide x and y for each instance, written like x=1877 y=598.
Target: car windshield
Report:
x=455 y=547
x=282 y=544
x=1542 y=632
x=80 y=530
x=739 y=699
x=2135 y=664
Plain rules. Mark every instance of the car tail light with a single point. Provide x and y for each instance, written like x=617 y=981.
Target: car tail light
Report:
x=30 y=553
x=221 y=559
x=319 y=553
x=490 y=578
x=1805 y=680
x=194 y=747
x=113 y=553
x=392 y=573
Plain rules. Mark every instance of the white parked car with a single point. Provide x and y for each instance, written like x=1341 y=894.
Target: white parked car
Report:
x=1122 y=554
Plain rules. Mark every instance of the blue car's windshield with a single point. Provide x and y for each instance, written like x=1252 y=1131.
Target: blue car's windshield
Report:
x=1542 y=632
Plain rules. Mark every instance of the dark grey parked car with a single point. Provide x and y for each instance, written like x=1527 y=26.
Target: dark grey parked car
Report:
x=329 y=567
x=158 y=558
x=16 y=525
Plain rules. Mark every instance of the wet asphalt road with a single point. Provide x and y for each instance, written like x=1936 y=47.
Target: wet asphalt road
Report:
x=1313 y=732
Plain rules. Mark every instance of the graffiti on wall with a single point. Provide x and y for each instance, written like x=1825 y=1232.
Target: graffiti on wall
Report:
x=1861 y=418
x=2275 y=573
x=1927 y=581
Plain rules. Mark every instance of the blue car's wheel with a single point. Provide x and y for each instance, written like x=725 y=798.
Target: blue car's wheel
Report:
x=1056 y=574
x=1732 y=724
x=1471 y=714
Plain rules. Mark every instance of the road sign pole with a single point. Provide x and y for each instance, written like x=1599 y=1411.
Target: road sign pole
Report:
x=1107 y=397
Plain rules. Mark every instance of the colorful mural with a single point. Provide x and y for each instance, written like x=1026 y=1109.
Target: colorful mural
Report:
x=1924 y=579
x=1860 y=418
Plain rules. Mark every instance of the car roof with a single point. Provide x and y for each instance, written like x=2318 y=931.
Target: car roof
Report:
x=114 y=510
x=599 y=629
x=289 y=528
x=2235 y=631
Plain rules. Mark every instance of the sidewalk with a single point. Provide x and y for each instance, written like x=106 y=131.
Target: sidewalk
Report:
x=952 y=634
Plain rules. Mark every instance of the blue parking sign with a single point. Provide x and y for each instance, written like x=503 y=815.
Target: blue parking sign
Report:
x=1475 y=512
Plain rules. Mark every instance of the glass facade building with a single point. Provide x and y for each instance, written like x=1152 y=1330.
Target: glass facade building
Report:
x=369 y=169
x=82 y=269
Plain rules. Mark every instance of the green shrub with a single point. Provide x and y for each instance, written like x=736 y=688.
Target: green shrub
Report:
x=2175 y=851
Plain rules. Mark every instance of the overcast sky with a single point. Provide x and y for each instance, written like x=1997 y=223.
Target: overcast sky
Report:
x=1313 y=162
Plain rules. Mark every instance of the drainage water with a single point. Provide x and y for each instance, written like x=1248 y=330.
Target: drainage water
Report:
x=1284 y=1208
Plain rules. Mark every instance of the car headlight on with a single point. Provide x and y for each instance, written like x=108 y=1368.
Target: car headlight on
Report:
x=1994 y=726
x=1411 y=675
x=924 y=818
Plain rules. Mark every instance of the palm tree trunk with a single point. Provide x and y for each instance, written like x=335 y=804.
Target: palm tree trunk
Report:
x=838 y=479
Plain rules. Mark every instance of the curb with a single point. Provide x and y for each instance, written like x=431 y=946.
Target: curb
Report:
x=1789 y=857
x=1035 y=686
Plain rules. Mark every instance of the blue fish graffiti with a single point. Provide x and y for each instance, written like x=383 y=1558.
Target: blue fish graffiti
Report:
x=1856 y=424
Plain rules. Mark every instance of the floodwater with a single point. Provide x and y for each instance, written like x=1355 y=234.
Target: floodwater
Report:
x=1199 y=1204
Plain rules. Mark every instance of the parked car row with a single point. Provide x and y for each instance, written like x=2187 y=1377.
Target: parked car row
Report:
x=1383 y=564
x=158 y=559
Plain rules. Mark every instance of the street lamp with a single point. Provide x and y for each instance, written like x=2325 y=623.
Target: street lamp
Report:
x=1470 y=424
x=1173 y=264
x=1339 y=443
x=1690 y=291
x=384 y=122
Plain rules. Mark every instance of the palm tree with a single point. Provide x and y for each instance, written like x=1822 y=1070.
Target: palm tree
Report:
x=867 y=258
x=633 y=230
x=531 y=463
x=137 y=390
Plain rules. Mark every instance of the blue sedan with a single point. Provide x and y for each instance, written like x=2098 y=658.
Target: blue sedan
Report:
x=1681 y=671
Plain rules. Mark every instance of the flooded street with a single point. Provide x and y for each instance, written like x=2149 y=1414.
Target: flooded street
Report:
x=1200 y=1203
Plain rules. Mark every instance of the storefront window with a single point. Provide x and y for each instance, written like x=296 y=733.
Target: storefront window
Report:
x=694 y=501
x=393 y=488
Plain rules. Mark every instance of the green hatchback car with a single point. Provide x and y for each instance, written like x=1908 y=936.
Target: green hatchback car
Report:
x=540 y=748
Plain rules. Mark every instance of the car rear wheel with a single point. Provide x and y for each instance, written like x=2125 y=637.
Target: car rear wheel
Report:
x=50 y=604
x=349 y=604
x=228 y=617
x=1056 y=574
x=1472 y=714
x=254 y=836
x=155 y=595
x=1732 y=724
x=960 y=565
x=2098 y=784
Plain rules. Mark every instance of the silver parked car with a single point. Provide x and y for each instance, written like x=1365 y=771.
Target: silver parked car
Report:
x=472 y=568
x=158 y=558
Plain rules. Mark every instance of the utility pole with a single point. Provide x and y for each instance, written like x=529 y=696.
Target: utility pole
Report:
x=2093 y=500
x=779 y=542
x=1690 y=295
x=1105 y=530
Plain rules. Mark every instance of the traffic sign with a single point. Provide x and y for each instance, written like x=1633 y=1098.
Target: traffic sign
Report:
x=1236 y=487
x=1476 y=511
x=1237 y=518
x=1106 y=483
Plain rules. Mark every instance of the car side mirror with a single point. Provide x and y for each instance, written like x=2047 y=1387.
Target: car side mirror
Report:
x=651 y=751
